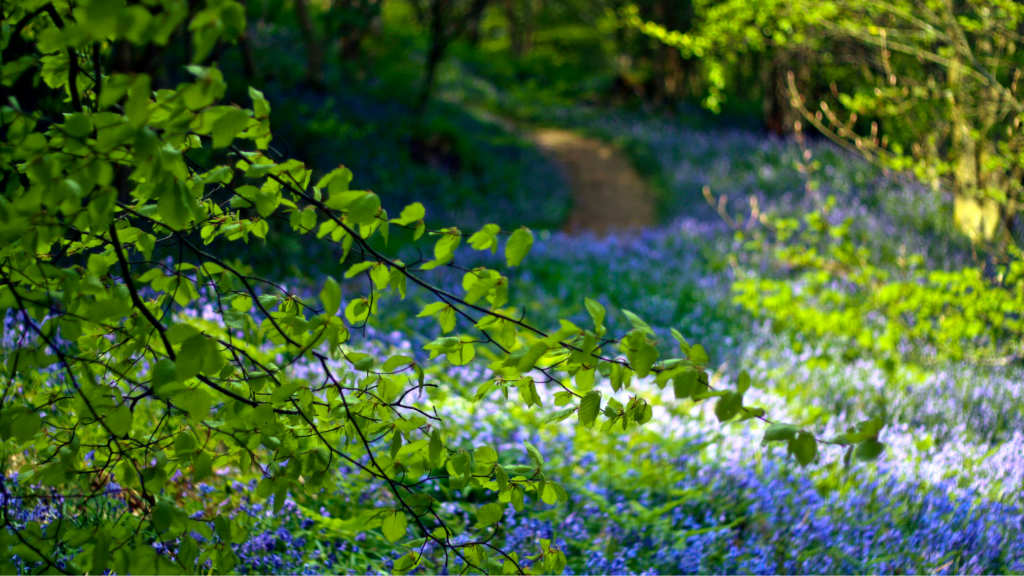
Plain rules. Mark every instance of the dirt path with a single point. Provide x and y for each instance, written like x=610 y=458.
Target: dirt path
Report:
x=608 y=194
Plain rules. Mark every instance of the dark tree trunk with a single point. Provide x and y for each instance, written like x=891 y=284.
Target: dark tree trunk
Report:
x=520 y=16
x=357 y=20
x=250 y=69
x=314 y=69
x=438 y=44
x=446 y=24
x=779 y=114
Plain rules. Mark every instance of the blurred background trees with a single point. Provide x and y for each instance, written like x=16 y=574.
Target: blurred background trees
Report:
x=436 y=96
x=914 y=84
x=921 y=85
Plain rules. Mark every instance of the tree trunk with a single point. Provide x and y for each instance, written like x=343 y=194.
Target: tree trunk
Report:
x=314 y=70
x=438 y=44
x=778 y=112
x=250 y=69
x=520 y=23
x=426 y=91
x=473 y=22
x=515 y=45
x=358 y=18
x=529 y=23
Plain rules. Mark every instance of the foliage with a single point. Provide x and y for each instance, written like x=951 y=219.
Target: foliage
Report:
x=944 y=85
x=936 y=80
x=722 y=31
x=829 y=286
x=136 y=376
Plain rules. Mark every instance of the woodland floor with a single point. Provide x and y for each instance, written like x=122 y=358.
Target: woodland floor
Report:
x=608 y=193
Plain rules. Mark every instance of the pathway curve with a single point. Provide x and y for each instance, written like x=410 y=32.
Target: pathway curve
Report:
x=607 y=192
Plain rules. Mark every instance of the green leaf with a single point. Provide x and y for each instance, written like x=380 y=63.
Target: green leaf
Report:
x=407 y=562
x=804 y=447
x=750 y=413
x=175 y=206
x=641 y=354
x=485 y=456
x=560 y=415
x=380 y=276
x=266 y=199
x=243 y=302
x=336 y=181
x=589 y=408
x=868 y=450
x=227 y=126
x=119 y=422
x=585 y=380
x=196 y=402
x=643 y=359
x=284 y=392
x=394 y=525
x=137 y=107
x=355 y=270
x=396 y=443
x=743 y=382
x=560 y=492
x=431 y=309
x=202 y=467
x=279 y=496
x=638 y=323
x=445 y=315
x=643 y=414
x=501 y=477
x=779 y=433
x=518 y=246
x=462 y=354
x=868 y=429
x=164 y=374
x=364 y=209
x=198 y=354
x=489 y=514
x=19 y=422
x=684 y=384
x=528 y=360
x=100 y=551
x=597 y=314
x=330 y=296
x=364 y=363
x=444 y=249
x=357 y=311
x=698 y=355
x=412 y=213
x=226 y=560
x=615 y=376
x=436 y=448
x=486 y=238
x=260 y=105
x=534 y=454
x=391 y=364
x=362 y=206
x=184 y=445
x=728 y=406
x=265 y=488
x=528 y=392
x=307 y=220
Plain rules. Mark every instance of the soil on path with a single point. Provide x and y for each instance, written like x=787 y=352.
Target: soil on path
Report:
x=607 y=192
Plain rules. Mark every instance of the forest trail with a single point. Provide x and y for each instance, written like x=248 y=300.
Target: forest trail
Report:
x=608 y=193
